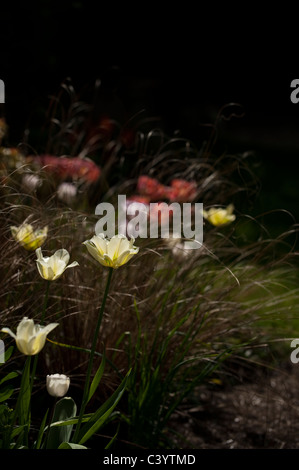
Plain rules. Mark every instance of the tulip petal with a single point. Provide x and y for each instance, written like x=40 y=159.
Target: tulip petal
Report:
x=45 y=270
x=72 y=265
x=122 y=259
x=100 y=243
x=25 y=328
x=23 y=346
x=8 y=330
x=114 y=247
x=108 y=261
x=62 y=255
x=56 y=268
x=38 y=253
x=125 y=257
x=37 y=343
x=92 y=249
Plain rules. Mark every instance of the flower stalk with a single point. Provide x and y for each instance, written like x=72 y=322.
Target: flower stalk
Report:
x=91 y=357
x=41 y=323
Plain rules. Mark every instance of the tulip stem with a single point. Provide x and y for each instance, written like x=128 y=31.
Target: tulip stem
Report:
x=50 y=422
x=92 y=353
x=41 y=322
x=45 y=303
x=22 y=409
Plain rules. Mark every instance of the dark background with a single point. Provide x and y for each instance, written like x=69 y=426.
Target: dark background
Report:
x=180 y=63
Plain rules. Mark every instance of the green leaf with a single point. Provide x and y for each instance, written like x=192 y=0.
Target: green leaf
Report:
x=7 y=390
x=70 y=445
x=25 y=395
x=8 y=353
x=41 y=431
x=97 y=378
x=113 y=438
x=9 y=376
x=6 y=393
x=65 y=408
x=17 y=431
x=70 y=421
x=100 y=416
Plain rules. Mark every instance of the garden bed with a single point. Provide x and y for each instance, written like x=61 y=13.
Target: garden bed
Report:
x=262 y=413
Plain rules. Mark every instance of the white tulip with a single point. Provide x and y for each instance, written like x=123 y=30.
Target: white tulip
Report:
x=51 y=268
x=113 y=252
x=57 y=384
x=30 y=338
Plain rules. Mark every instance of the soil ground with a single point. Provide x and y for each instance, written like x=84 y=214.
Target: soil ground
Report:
x=260 y=413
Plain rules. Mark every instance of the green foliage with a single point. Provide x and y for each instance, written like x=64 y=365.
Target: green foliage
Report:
x=97 y=378
x=157 y=386
x=64 y=409
x=70 y=445
x=98 y=419
x=8 y=389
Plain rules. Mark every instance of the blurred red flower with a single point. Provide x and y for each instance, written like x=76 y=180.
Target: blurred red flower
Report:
x=151 y=188
x=137 y=198
x=181 y=190
x=69 y=167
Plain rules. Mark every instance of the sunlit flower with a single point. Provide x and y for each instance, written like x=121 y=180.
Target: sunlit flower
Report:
x=29 y=238
x=51 y=268
x=57 y=385
x=217 y=216
x=113 y=252
x=30 y=338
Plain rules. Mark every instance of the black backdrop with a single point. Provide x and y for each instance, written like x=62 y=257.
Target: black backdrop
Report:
x=180 y=63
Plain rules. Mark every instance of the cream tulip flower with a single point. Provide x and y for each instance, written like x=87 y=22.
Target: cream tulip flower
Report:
x=57 y=385
x=29 y=238
x=114 y=252
x=217 y=216
x=30 y=338
x=51 y=268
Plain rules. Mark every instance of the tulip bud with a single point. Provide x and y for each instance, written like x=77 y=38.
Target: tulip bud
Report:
x=57 y=384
